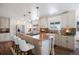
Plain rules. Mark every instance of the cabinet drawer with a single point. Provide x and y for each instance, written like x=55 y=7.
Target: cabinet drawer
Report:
x=58 y=41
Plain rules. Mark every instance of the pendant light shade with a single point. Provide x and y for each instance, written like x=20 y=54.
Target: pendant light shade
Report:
x=37 y=17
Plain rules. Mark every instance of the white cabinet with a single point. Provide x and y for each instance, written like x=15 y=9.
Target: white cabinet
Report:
x=58 y=40
x=43 y=22
x=72 y=18
x=64 y=20
x=68 y=19
x=65 y=41
x=71 y=42
x=68 y=42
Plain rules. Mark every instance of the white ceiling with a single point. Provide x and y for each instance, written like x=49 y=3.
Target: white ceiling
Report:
x=19 y=9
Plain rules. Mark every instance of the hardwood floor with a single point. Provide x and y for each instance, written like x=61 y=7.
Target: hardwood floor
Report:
x=4 y=48
x=63 y=51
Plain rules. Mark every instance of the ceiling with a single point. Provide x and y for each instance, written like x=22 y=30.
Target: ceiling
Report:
x=45 y=9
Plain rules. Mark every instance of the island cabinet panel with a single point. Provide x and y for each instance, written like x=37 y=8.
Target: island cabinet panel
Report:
x=45 y=48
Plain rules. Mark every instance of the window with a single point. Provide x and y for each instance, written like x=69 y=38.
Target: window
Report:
x=55 y=25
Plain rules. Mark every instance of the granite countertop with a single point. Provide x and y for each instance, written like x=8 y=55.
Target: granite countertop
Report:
x=37 y=36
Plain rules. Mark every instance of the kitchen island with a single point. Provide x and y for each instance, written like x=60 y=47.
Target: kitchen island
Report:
x=42 y=45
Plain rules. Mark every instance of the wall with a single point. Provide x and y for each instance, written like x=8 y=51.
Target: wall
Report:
x=12 y=25
x=5 y=23
x=6 y=36
x=77 y=20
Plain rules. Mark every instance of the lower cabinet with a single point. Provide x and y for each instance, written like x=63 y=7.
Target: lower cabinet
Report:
x=58 y=40
x=66 y=42
x=71 y=42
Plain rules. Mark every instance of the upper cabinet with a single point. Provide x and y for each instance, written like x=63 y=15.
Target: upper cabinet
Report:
x=68 y=19
x=43 y=22
x=65 y=19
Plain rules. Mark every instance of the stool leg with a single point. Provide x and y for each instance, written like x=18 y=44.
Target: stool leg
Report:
x=20 y=52
x=29 y=52
x=24 y=53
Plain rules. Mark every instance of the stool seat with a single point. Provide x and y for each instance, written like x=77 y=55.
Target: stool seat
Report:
x=25 y=47
x=28 y=47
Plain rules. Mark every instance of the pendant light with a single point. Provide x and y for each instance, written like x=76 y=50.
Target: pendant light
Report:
x=24 y=19
x=37 y=17
x=30 y=19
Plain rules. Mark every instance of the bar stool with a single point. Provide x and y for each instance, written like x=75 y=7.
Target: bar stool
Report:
x=16 y=44
x=52 y=40
x=25 y=47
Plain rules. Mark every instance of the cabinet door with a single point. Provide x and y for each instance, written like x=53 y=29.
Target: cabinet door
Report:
x=64 y=20
x=68 y=19
x=43 y=23
x=71 y=42
x=71 y=19
x=58 y=40
x=64 y=41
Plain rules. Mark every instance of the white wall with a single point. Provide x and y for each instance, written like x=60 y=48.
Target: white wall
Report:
x=77 y=20
x=18 y=22
x=13 y=26
x=6 y=36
